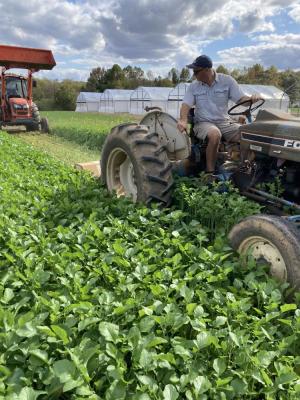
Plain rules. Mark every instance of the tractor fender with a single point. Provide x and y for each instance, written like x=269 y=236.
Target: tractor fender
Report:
x=178 y=144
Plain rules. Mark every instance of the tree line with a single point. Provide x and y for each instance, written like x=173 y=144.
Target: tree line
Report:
x=55 y=95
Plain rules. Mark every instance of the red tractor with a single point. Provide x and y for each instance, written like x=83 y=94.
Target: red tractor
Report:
x=17 y=107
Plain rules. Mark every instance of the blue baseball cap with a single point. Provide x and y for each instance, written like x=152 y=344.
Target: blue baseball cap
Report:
x=201 y=62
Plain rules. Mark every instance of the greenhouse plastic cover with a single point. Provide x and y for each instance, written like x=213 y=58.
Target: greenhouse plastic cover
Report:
x=164 y=93
x=266 y=91
x=117 y=94
x=89 y=96
x=151 y=93
x=178 y=91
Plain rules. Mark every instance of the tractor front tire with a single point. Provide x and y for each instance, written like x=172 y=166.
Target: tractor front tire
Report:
x=134 y=163
x=36 y=119
x=273 y=240
x=45 y=125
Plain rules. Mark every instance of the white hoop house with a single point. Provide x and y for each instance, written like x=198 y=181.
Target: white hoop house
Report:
x=88 y=102
x=115 y=100
x=274 y=97
x=149 y=96
x=175 y=98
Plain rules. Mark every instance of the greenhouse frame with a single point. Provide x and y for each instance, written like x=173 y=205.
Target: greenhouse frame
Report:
x=274 y=97
x=169 y=99
x=149 y=96
x=115 y=101
x=88 y=102
x=175 y=98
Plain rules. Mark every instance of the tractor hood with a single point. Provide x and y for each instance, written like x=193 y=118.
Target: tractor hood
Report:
x=19 y=107
x=18 y=100
x=274 y=133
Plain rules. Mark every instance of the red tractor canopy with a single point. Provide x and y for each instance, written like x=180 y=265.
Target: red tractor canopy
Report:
x=16 y=104
x=24 y=57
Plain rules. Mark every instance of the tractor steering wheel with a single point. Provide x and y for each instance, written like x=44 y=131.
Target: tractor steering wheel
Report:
x=246 y=110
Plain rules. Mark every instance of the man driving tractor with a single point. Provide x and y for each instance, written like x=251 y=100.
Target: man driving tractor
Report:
x=209 y=93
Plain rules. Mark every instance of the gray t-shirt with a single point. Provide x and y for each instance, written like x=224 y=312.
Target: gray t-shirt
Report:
x=211 y=102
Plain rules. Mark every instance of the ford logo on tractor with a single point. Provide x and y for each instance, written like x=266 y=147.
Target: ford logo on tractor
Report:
x=292 y=143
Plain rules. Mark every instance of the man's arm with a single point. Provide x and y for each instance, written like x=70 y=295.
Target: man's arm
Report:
x=236 y=94
x=183 y=120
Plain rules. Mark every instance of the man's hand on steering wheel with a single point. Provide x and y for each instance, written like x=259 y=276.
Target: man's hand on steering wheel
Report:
x=256 y=97
x=247 y=104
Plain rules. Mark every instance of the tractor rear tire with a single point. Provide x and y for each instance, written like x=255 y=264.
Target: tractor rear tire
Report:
x=134 y=163
x=273 y=240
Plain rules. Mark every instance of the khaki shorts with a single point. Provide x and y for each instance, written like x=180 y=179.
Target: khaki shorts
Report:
x=228 y=129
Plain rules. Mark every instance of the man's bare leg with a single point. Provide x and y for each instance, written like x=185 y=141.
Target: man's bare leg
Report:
x=214 y=138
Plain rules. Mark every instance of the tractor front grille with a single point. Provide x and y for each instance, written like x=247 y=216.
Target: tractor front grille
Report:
x=22 y=112
x=273 y=141
x=263 y=139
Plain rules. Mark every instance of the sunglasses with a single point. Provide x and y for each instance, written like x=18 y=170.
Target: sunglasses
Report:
x=198 y=70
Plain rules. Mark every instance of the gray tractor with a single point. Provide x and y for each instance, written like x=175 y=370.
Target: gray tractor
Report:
x=139 y=160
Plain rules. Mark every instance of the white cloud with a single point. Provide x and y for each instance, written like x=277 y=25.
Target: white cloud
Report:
x=278 y=50
x=254 y=21
x=60 y=73
x=295 y=12
x=282 y=40
x=157 y=34
x=49 y=24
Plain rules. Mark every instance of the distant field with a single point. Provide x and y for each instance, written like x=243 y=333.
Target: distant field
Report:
x=64 y=150
x=88 y=129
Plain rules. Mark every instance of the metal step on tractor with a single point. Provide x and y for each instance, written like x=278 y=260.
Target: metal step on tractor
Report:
x=17 y=107
x=139 y=160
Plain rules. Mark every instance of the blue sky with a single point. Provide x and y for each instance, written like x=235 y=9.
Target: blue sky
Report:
x=154 y=34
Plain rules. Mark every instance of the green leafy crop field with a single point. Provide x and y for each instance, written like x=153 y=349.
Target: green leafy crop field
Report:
x=89 y=129
x=103 y=299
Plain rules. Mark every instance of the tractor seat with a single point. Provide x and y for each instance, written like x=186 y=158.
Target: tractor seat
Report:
x=204 y=142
